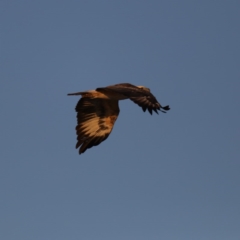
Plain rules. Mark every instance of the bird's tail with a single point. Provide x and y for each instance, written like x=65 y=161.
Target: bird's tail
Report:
x=89 y=94
x=77 y=93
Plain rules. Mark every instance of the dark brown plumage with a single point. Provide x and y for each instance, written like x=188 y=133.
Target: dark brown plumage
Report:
x=98 y=110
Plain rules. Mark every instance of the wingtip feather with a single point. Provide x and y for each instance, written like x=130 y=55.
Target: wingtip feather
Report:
x=166 y=108
x=150 y=110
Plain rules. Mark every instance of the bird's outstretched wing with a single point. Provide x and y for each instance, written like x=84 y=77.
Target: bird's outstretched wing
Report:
x=140 y=96
x=95 y=118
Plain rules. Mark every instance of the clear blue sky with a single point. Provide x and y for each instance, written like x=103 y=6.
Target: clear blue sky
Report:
x=167 y=176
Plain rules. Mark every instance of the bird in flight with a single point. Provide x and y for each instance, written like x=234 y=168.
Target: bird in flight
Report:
x=97 y=111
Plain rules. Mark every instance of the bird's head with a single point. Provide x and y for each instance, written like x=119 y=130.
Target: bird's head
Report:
x=144 y=88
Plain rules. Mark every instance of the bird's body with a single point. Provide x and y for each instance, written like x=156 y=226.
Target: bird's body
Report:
x=98 y=110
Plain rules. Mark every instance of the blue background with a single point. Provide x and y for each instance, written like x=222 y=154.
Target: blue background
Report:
x=167 y=176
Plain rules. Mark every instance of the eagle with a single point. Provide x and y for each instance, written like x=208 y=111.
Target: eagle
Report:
x=97 y=110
